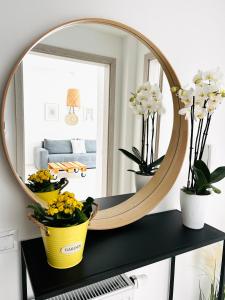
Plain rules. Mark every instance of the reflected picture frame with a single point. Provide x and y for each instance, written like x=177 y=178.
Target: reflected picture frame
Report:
x=51 y=112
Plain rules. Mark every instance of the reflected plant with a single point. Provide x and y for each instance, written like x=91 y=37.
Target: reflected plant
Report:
x=146 y=102
x=211 y=257
x=43 y=181
x=214 y=290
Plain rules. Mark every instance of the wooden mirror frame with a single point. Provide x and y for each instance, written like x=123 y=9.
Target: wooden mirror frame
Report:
x=152 y=193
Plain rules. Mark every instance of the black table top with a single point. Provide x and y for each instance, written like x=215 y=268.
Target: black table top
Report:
x=108 y=253
x=110 y=201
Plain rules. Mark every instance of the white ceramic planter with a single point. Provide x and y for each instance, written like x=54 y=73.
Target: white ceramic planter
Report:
x=141 y=181
x=194 y=209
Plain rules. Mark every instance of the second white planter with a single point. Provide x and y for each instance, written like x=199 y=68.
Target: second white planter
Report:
x=194 y=209
x=141 y=180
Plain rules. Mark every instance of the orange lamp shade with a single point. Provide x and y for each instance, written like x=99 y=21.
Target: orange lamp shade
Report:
x=73 y=98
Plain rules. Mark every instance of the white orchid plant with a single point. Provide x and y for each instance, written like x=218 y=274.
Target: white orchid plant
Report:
x=200 y=103
x=147 y=103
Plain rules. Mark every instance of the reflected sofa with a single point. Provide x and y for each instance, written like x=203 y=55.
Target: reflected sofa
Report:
x=62 y=151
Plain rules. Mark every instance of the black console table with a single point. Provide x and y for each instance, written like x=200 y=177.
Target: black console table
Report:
x=113 y=252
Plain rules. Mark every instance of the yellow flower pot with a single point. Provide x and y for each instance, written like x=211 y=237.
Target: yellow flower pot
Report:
x=45 y=196
x=64 y=246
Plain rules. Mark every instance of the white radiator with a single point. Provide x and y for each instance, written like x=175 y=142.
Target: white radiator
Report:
x=120 y=287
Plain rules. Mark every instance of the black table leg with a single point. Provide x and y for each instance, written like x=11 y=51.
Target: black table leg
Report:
x=222 y=273
x=172 y=273
x=24 y=277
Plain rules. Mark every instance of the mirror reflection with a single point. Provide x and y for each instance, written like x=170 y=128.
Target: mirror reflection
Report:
x=79 y=96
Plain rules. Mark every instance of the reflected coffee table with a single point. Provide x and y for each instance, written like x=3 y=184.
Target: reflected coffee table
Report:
x=69 y=167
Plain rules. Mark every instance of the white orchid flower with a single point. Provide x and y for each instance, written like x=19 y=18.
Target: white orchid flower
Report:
x=197 y=79
x=186 y=111
x=213 y=75
x=159 y=108
x=200 y=112
x=211 y=107
x=213 y=88
x=157 y=97
x=186 y=96
x=147 y=100
x=216 y=99
x=146 y=86
x=200 y=95
x=132 y=100
x=222 y=93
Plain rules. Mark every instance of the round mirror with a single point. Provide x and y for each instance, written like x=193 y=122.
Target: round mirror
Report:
x=90 y=101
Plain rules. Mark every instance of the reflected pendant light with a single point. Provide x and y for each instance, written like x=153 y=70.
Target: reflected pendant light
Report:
x=73 y=102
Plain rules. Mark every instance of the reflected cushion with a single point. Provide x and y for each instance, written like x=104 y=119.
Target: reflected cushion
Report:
x=90 y=146
x=58 y=146
x=78 y=146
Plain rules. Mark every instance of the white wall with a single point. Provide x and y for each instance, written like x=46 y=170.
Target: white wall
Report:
x=191 y=36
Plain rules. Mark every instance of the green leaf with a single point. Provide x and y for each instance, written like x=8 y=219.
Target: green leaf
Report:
x=157 y=162
x=131 y=156
x=38 y=209
x=89 y=200
x=81 y=217
x=87 y=208
x=137 y=153
x=215 y=189
x=217 y=175
x=201 y=181
x=153 y=167
x=199 y=164
x=129 y=170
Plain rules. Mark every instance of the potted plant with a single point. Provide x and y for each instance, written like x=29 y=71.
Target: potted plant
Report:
x=45 y=187
x=63 y=224
x=146 y=102
x=200 y=104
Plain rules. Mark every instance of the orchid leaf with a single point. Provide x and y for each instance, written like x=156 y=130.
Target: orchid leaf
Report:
x=199 y=164
x=157 y=162
x=131 y=156
x=217 y=175
x=137 y=153
x=201 y=181
x=215 y=189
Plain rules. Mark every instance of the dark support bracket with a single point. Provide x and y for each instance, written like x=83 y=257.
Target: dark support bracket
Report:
x=24 y=277
x=172 y=273
x=222 y=273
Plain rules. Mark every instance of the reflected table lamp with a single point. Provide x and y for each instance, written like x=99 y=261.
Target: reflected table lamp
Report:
x=73 y=102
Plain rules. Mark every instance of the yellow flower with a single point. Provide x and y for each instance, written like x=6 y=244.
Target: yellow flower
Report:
x=65 y=198
x=56 y=210
x=51 y=201
x=74 y=203
x=61 y=208
x=41 y=175
x=51 y=211
x=68 y=194
x=79 y=205
x=67 y=211
x=69 y=201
